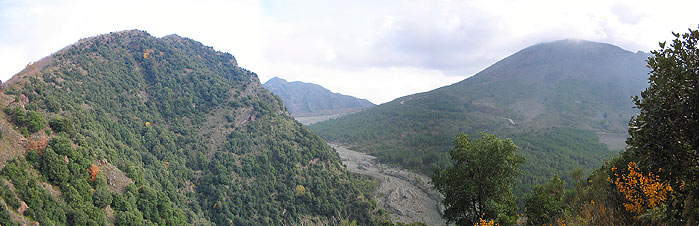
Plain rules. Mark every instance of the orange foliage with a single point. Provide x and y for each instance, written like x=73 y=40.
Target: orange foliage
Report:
x=643 y=191
x=147 y=123
x=93 y=171
x=37 y=144
x=559 y=222
x=485 y=223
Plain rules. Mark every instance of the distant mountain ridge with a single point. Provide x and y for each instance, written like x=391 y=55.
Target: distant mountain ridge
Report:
x=557 y=100
x=308 y=99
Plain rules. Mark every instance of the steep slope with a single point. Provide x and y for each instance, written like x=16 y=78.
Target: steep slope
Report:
x=126 y=128
x=307 y=99
x=556 y=100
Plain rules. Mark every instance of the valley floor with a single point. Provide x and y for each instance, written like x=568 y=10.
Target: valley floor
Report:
x=308 y=119
x=407 y=196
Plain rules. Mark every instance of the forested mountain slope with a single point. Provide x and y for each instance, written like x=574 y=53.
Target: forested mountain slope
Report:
x=304 y=99
x=556 y=100
x=129 y=129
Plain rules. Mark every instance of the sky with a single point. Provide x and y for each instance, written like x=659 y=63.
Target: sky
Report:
x=373 y=49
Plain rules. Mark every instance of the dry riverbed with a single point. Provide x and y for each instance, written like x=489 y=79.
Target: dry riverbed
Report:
x=407 y=196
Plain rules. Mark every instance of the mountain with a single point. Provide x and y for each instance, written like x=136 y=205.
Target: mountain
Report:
x=306 y=100
x=128 y=129
x=556 y=100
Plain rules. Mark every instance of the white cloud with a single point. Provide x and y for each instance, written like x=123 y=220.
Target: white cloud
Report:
x=383 y=83
x=374 y=49
x=40 y=28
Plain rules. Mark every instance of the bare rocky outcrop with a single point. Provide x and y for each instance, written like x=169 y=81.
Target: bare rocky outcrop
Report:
x=116 y=179
x=23 y=99
x=12 y=144
x=22 y=207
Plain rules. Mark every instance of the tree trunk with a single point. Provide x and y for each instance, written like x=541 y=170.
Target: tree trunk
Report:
x=688 y=214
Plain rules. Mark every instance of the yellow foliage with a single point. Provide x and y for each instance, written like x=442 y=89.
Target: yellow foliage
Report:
x=643 y=191
x=300 y=190
x=147 y=53
x=147 y=123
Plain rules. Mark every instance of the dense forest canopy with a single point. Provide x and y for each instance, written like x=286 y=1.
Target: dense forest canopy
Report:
x=130 y=129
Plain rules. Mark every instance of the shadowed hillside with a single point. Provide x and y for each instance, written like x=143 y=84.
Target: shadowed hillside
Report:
x=307 y=99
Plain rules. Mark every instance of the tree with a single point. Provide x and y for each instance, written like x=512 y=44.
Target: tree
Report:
x=35 y=121
x=102 y=197
x=54 y=167
x=643 y=191
x=77 y=217
x=665 y=135
x=32 y=121
x=61 y=124
x=93 y=171
x=545 y=204
x=478 y=185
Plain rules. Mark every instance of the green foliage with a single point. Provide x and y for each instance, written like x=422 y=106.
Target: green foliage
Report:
x=102 y=197
x=414 y=140
x=150 y=118
x=293 y=171
x=665 y=135
x=588 y=201
x=8 y=196
x=479 y=183
x=42 y=206
x=5 y=217
x=77 y=217
x=555 y=101
x=17 y=115
x=555 y=151
x=61 y=124
x=10 y=200
x=32 y=121
x=662 y=146
x=389 y=223
x=545 y=204
x=53 y=166
x=35 y=121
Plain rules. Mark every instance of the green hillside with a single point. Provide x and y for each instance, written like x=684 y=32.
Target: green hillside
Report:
x=129 y=129
x=551 y=98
